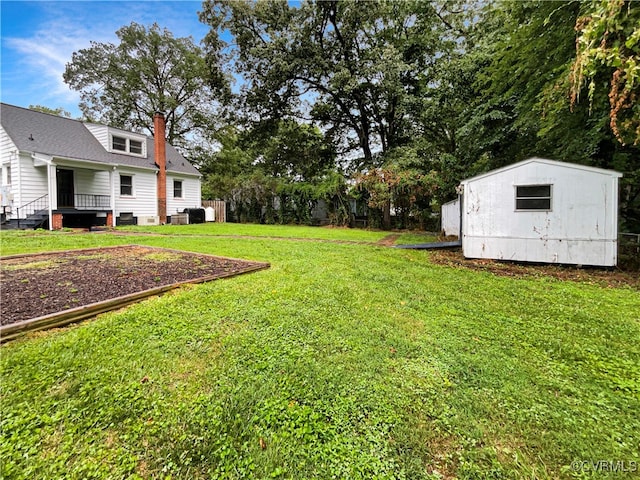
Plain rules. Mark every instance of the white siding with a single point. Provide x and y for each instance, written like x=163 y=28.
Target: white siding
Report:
x=451 y=217
x=191 y=197
x=8 y=159
x=101 y=132
x=29 y=182
x=92 y=182
x=580 y=228
x=144 y=200
x=6 y=147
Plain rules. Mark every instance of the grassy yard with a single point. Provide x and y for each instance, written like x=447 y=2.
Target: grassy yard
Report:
x=248 y=229
x=343 y=360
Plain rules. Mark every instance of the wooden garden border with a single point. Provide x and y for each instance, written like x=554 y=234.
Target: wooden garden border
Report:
x=65 y=317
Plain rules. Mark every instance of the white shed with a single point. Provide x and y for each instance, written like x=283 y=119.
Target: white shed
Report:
x=450 y=218
x=542 y=210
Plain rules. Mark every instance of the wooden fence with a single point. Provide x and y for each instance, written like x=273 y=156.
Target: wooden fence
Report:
x=219 y=207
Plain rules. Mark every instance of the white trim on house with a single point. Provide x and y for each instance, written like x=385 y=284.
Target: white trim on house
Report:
x=104 y=134
x=127 y=146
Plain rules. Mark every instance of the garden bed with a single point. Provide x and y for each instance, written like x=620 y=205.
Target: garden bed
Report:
x=41 y=285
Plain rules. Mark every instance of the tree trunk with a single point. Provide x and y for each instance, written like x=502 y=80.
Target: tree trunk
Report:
x=386 y=215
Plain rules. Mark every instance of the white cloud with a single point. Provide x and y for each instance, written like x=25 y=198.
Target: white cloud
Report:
x=44 y=61
x=38 y=58
x=41 y=56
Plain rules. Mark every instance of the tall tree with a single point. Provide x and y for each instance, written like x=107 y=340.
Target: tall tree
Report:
x=288 y=149
x=523 y=87
x=531 y=45
x=148 y=71
x=352 y=63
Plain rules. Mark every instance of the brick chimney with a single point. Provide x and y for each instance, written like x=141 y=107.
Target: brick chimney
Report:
x=161 y=162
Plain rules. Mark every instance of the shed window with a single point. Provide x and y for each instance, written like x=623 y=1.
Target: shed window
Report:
x=177 y=189
x=119 y=143
x=533 y=197
x=126 y=185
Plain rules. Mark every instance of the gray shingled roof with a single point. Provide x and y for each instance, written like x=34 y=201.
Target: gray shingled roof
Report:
x=37 y=132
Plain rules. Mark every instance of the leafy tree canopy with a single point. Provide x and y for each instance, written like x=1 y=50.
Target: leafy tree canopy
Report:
x=282 y=149
x=525 y=92
x=351 y=65
x=609 y=43
x=60 y=112
x=148 y=71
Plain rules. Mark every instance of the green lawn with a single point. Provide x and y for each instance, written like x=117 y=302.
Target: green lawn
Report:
x=343 y=360
x=248 y=229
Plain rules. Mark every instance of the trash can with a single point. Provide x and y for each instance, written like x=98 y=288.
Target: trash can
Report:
x=196 y=215
x=210 y=214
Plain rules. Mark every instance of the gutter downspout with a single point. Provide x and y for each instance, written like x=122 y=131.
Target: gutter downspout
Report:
x=15 y=154
x=15 y=174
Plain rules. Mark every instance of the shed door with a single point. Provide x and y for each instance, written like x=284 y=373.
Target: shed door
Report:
x=64 y=184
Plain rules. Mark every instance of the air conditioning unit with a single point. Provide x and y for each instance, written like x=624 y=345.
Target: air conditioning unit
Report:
x=148 y=220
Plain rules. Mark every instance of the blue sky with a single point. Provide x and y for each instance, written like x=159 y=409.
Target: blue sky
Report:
x=39 y=37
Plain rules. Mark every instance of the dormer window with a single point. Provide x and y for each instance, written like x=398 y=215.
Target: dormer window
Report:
x=119 y=143
x=127 y=145
x=135 y=146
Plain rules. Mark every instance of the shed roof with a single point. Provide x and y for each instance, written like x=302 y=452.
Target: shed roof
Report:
x=544 y=161
x=37 y=132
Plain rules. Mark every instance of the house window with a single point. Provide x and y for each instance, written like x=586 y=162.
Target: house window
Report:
x=135 y=146
x=177 y=189
x=533 y=197
x=126 y=185
x=8 y=169
x=119 y=143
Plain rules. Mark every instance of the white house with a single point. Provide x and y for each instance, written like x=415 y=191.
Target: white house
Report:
x=542 y=210
x=62 y=172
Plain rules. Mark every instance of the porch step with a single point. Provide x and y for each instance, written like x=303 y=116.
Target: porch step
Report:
x=30 y=223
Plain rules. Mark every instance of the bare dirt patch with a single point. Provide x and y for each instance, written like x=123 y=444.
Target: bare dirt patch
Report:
x=596 y=276
x=42 y=284
x=389 y=240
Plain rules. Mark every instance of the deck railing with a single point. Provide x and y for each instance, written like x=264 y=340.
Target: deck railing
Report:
x=83 y=201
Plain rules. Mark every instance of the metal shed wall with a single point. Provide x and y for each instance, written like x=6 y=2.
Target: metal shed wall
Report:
x=450 y=218
x=580 y=228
